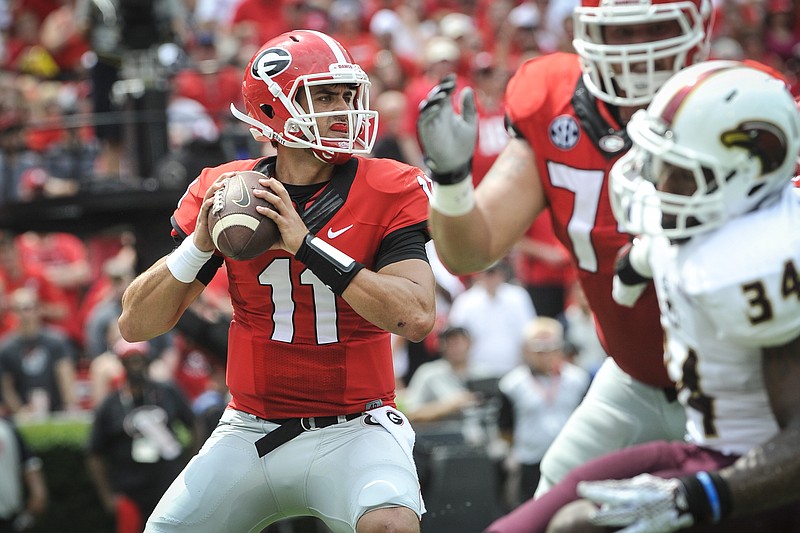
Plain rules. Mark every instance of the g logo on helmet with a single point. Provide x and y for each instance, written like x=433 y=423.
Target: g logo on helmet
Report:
x=271 y=62
x=765 y=141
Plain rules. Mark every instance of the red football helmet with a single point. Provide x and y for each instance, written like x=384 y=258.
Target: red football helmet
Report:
x=628 y=74
x=296 y=61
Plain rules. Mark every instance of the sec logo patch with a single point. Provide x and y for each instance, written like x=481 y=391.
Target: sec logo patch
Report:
x=564 y=132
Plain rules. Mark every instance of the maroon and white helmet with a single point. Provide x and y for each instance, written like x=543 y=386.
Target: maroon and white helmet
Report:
x=725 y=130
x=296 y=61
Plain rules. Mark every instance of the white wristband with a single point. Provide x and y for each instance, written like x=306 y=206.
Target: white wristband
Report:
x=626 y=295
x=186 y=260
x=454 y=200
x=640 y=256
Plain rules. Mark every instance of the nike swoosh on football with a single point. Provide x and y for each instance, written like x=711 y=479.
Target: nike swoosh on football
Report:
x=244 y=201
x=333 y=234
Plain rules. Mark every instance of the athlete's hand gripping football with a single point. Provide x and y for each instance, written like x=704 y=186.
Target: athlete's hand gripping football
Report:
x=448 y=138
x=293 y=229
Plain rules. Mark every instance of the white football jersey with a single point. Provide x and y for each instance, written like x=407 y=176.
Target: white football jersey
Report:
x=723 y=297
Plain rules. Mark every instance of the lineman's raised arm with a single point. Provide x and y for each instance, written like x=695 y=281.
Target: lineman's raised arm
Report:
x=474 y=228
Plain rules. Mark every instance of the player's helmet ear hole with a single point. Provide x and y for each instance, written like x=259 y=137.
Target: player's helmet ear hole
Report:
x=268 y=110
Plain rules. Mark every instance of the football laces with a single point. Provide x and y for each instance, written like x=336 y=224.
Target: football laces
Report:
x=219 y=197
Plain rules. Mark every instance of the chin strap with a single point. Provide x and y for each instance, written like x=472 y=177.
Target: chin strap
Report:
x=259 y=128
x=331 y=158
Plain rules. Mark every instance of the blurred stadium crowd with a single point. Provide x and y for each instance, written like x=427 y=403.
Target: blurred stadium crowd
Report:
x=101 y=94
x=72 y=68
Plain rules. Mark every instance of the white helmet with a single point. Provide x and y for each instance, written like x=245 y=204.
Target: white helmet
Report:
x=630 y=74
x=728 y=130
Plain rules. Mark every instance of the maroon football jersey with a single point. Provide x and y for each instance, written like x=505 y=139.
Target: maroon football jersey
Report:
x=574 y=167
x=294 y=347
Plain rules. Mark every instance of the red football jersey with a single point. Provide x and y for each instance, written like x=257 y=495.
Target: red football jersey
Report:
x=294 y=348
x=575 y=150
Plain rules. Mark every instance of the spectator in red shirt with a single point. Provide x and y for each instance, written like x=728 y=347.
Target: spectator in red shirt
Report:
x=257 y=21
x=489 y=82
x=16 y=273
x=520 y=41
x=209 y=81
x=440 y=57
x=781 y=33
x=461 y=29
x=491 y=18
x=23 y=52
x=349 y=28
x=60 y=36
x=7 y=319
x=393 y=141
x=64 y=261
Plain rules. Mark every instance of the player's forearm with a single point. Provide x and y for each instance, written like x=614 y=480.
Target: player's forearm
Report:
x=37 y=491
x=97 y=473
x=9 y=393
x=507 y=201
x=395 y=303
x=429 y=413
x=462 y=243
x=767 y=476
x=154 y=302
x=65 y=373
x=433 y=411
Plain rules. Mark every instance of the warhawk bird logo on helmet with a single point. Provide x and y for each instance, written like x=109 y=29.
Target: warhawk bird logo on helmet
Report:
x=765 y=141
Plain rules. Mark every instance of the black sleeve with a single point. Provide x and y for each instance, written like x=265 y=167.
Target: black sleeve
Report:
x=512 y=129
x=211 y=336
x=96 y=443
x=405 y=243
x=505 y=418
x=25 y=453
x=183 y=411
x=209 y=270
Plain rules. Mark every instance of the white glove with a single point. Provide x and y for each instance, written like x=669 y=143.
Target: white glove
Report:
x=645 y=504
x=448 y=139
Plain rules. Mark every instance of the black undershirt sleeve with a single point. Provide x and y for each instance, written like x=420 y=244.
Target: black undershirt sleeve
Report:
x=405 y=243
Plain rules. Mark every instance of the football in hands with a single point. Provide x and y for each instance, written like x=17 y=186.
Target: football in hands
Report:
x=237 y=229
